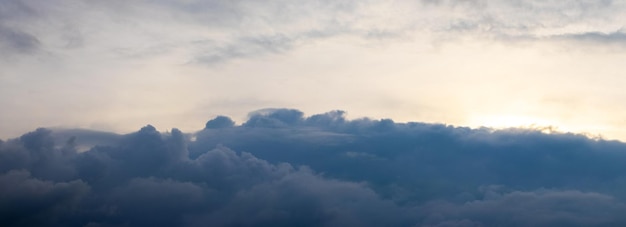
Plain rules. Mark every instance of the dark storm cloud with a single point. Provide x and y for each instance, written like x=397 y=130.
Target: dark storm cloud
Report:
x=281 y=168
x=24 y=197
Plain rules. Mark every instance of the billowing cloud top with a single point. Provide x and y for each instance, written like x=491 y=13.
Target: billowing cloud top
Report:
x=283 y=169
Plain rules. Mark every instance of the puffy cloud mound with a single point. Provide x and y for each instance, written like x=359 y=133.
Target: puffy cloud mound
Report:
x=281 y=168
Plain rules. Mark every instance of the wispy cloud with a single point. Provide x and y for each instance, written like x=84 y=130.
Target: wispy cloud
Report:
x=248 y=29
x=16 y=41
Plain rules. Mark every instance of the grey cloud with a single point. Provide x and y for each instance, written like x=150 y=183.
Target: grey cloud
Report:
x=220 y=122
x=167 y=198
x=15 y=41
x=529 y=21
x=274 y=118
x=36 y=152
x=17 y=9
x=244 y=47
x=446 y=160
x=283 y=168
x=617 y=37
x=83 y=139
x=303 y=199
x=249 y=29
x=23 y=197
x=534 y=208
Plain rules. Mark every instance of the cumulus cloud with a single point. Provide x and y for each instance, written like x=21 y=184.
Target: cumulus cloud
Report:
x=24 y=197
x=281 y=168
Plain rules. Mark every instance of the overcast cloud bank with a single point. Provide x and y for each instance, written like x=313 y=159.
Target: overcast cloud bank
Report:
x=280 y=168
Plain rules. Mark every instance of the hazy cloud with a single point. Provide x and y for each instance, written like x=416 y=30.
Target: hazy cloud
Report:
x=243 y=29
x=244 y=47
x=617 y=37
x=16 y=41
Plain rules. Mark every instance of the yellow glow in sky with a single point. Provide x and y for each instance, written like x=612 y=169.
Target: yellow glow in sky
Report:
x=465 y=63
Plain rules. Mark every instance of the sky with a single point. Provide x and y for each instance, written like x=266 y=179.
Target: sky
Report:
x=312 y=113
x=119 y=65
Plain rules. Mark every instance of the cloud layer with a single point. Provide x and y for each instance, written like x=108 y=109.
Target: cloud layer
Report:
x=231 y=30
x=280 y=168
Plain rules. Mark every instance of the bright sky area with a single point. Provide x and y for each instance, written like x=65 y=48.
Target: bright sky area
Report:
x=119 y=65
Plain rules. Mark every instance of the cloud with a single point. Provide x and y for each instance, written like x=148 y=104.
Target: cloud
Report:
x=274 y=118
x=244 y=47
x=220 y=122
x=616 y=37
x=281 y=168
x=216 y=32
x=303 y=199
x=533 y=208
x=23 y=198
x=16 y=41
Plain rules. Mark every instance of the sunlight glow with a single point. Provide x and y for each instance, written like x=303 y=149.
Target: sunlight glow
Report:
x=514 y=121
